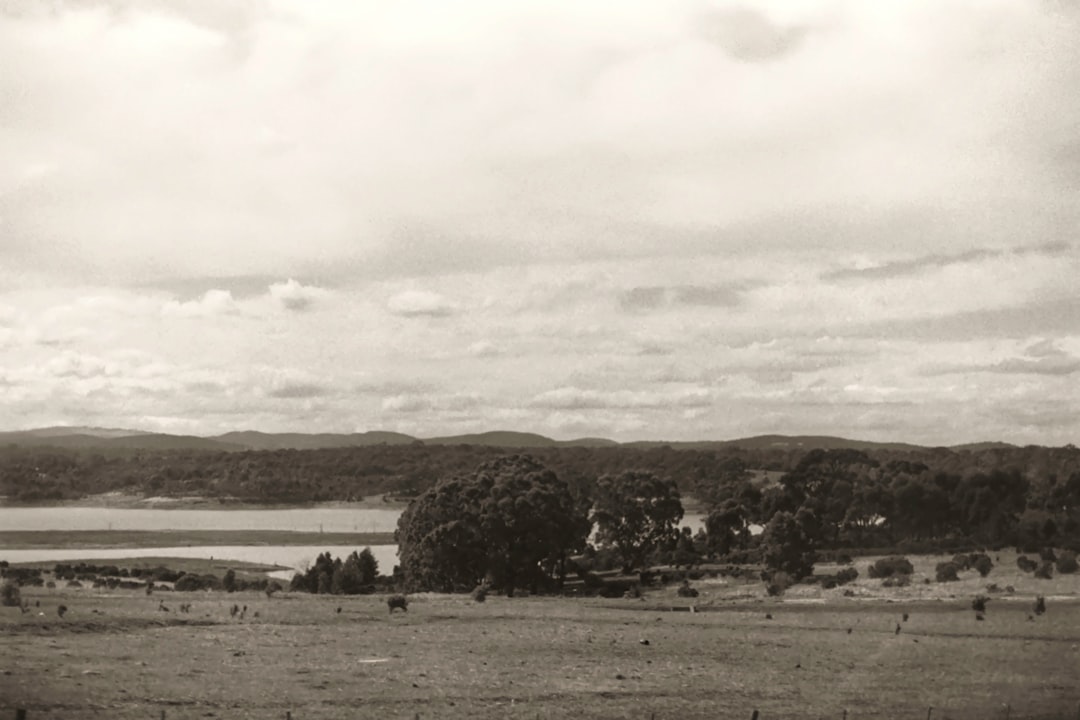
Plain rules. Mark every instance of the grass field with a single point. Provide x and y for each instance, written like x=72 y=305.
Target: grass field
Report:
x=116 y=655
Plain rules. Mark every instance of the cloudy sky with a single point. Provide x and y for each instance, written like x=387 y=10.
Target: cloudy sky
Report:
x=688 y=219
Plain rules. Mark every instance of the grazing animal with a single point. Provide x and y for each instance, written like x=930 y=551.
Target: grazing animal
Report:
x=1040 y=605
x=37 y=603
x=61 y=610
x=397 y=601
x=256 y=613
x=897 y=629
x=1031 y=618
x=162 y=606
x=768 y=616
x=339 y=611
x=979 y=616
x=905 y=617
x=234 y=610
x=849 y=631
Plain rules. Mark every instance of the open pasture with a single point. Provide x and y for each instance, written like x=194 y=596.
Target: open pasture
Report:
x=118 y=655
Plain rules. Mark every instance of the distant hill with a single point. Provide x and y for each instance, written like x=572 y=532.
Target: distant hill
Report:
x=779 y=442
x=253 y=440
x=496 y=438
x=77 y=438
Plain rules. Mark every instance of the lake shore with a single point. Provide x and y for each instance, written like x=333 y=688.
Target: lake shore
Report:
x=127 y=501
x=37 y=539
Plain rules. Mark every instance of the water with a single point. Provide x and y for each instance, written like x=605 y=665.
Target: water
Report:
x=360 y=520
x=290 y=556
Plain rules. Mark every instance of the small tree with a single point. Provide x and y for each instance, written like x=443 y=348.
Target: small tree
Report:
x=368 y=566
x=946 y=572
x=272 y=587
x=1066 y=562
x=982 y=563
x=229 y=581
x=788 y=544
x=890 y=566
x=10 y=595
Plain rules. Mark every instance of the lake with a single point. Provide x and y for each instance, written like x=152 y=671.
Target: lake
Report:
x=292 y=556
x=360 y=520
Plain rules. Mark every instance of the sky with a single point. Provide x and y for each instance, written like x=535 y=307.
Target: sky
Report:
x=675 y=220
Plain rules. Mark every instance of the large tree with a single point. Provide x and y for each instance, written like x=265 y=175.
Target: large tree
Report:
x=636 y=512
x=505 y=523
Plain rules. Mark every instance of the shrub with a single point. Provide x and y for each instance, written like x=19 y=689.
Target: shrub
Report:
x=1045 y=571
x=1026 y=564
x=686 y=591
x=480 y=592
x=1066 y=562
x=50 y=584
x=397 y=601
x=846 y=575
x=10 y=595
x=979 y=603
x=1047 y=554
x=778 y=583
x=982 y=563
x=891 y=566
x=844 y=559
x=633 y=592
x=946 y=572
x=272 y=587
x=74 y=584
x=962 y=561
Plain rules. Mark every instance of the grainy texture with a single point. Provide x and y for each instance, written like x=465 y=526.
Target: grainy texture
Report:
x=117 y=655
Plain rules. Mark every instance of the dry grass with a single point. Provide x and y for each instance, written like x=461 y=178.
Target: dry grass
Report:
x=116 y=655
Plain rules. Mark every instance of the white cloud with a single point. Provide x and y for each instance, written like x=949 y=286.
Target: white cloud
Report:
x=294 y=296
x=684 y=219
x=213 y=302
x=417 y=303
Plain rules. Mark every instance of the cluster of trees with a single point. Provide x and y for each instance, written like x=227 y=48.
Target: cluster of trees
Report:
x=355 y=575
x=513 y=523
x=39 y=474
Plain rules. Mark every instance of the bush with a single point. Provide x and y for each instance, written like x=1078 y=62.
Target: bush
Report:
x=778 y=583
x=848 y=574
x=982 y=563
x=633 y=593
x=1045 y=571
x=891 y=566
x=480 y=592
x=1066 y=562
x=962 y=561
x=1047 y=554
x=946 y=572
x=74 y=584
x=10 y=595
x=1026 y=564
x=686 y=591
x=979 y=603
x=272 y=587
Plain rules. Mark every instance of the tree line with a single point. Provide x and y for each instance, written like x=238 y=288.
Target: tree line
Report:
x=514 y=523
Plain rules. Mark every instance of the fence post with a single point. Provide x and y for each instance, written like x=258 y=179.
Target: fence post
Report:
x=754 y=716
x=288 y=715
x=845 y=713
x=1007 y=711
x=929 y=710
x=20 y=713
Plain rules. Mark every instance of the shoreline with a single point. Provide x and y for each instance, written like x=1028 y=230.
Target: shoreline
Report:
x=124 y=501
x=126 y=539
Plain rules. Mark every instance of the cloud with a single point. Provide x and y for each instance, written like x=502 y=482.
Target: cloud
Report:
x=420 y=303
x=298 y=391
x=1041 y=358
x=574 y=398
x=749 y=35
x=212 y=303
x=294 y=296
x=656 y=297
x=901 y=268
